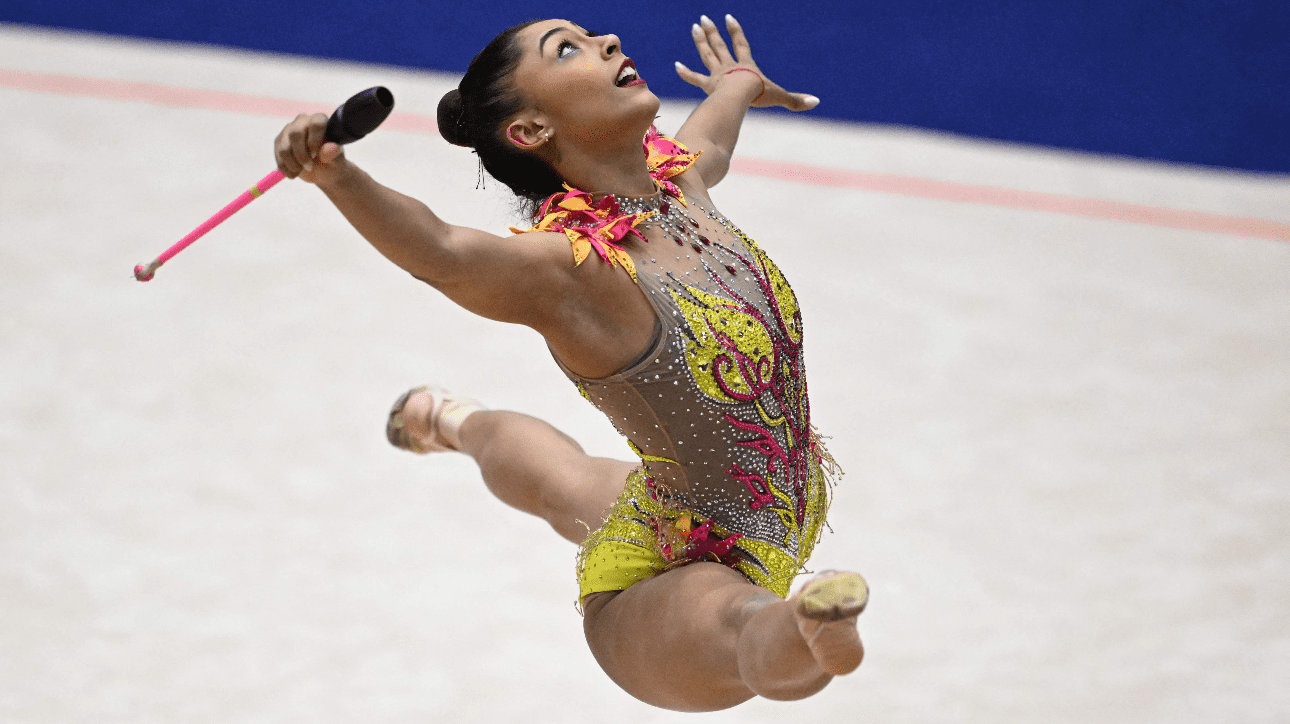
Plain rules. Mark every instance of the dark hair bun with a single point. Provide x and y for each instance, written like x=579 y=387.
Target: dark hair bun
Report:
x=486 y=100
x=450 y=122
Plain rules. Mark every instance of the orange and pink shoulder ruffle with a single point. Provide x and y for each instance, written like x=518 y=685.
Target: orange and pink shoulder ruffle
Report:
x=601 y=225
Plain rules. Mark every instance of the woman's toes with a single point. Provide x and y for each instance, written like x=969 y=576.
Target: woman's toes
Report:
x=833 y=595
x=416 y=415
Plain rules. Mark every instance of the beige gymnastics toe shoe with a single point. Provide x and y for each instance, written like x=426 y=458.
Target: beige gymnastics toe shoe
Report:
x=826 y=609
x=427 y=419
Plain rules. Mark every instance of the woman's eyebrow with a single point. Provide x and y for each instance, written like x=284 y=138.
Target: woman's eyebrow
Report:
x=546 y=35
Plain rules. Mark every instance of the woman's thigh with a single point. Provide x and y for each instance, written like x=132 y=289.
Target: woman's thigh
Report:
x=672 y=640
x=594 y=486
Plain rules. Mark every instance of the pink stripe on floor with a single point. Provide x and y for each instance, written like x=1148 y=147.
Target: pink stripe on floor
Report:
x=1012 y=198
x=180 y=97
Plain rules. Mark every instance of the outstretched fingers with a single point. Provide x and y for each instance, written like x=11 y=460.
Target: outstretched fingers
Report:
x=714 y=53
x=743 y=52
x=777 y=96
x=704 y=46
x=689 y=76
x=715 y=41
x=801 y=102
x=716 y=56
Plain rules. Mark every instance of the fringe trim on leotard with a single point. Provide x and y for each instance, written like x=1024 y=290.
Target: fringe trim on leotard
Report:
x=832 y=473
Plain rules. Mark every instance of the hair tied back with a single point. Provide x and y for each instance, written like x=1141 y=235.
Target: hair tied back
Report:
x=485 y=102
x=449 y=117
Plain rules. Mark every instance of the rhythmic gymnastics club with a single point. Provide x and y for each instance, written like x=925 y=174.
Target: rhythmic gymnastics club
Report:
x=356 y=118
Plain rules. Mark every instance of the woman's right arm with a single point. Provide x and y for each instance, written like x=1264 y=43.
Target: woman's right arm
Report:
x=593 y=317
x=515 y=279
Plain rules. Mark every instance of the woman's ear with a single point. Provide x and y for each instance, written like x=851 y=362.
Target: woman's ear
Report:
x=528 y=135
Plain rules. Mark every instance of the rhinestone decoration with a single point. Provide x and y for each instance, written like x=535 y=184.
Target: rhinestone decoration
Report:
x=717 y=408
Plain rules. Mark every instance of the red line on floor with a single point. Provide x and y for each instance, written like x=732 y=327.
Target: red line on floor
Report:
x=1013 y=198
x=181 y=97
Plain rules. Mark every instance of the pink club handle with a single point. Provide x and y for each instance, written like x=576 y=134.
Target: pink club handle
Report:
x=357 y=117
x=144 y=272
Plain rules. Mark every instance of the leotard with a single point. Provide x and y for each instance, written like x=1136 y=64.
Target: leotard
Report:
x=717 y=408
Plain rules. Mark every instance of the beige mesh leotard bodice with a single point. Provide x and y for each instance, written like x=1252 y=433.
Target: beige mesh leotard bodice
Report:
x=717 y=407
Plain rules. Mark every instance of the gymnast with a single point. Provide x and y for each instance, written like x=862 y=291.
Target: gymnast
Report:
x=668 y=319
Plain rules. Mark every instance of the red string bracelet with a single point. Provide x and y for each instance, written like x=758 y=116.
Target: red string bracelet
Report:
x=750 y=70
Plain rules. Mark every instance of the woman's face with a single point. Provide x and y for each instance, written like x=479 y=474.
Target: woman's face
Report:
x=582 y=84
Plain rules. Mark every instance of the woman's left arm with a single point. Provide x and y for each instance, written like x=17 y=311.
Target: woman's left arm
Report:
x=734 y=83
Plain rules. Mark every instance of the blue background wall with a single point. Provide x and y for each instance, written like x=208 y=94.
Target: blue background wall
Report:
x=1191 y=81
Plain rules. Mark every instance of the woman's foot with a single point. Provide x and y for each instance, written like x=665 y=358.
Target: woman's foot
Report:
x=826 y=609
x=427 y=419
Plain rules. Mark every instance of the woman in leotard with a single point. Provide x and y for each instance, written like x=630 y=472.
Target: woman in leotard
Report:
x=669 y=320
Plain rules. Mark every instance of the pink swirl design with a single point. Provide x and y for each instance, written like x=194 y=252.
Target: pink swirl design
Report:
x=787 y=387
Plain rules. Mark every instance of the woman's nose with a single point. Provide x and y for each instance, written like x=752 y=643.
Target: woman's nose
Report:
x=609 y=45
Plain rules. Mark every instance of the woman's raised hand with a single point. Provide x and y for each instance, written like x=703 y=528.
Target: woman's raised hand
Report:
x=716 y=56
x=302 y=149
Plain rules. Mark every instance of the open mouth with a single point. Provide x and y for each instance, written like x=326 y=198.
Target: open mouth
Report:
x=627 y=75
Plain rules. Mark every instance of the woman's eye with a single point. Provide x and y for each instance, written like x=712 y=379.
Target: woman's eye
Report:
x=559 y=50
